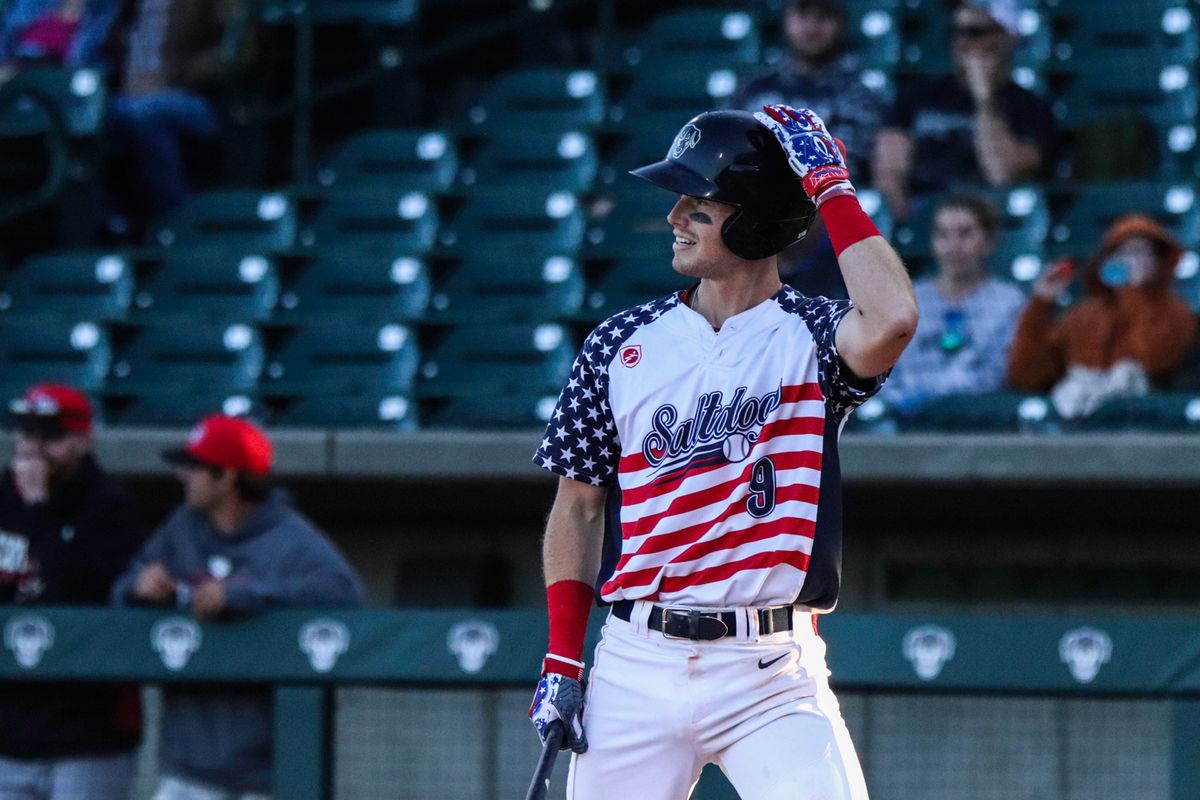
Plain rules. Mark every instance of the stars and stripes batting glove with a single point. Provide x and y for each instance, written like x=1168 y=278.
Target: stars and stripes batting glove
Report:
x=559 y=698
x=814 y=155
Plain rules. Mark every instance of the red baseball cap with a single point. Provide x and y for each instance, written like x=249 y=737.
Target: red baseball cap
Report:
x=53 y=408
x=226 y=443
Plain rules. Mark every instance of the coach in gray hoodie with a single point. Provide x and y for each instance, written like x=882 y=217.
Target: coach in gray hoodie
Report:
x=234 y=548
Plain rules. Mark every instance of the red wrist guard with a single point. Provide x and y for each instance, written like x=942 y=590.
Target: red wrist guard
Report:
x=821 y=178
x=846 y=222
x=568 y=604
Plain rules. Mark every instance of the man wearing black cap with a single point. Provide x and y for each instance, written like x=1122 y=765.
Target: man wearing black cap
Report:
x=66 y=531
x=234 y=548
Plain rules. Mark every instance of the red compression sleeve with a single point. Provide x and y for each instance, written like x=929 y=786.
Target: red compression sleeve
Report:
x=568 y=604
x=846 y=222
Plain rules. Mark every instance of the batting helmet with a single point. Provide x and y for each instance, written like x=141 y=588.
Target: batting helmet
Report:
x=727 y=156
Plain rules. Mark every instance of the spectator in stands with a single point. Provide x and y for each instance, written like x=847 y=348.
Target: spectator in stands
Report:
x=54 y=33
x=66 y=532
x=173 y=66
x=234 y=548
x=967 y=317
x=1130 y=332
x=823 y=73
x=973 y=127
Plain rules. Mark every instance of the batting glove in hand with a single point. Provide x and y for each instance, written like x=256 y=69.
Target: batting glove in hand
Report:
x=559 y=698
x=814 y=155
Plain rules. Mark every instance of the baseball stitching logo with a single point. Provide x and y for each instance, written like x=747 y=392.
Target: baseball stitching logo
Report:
x=1085 y=651
x=929 y=648
x=28 y=637
x=688 y=138
x=631 y=356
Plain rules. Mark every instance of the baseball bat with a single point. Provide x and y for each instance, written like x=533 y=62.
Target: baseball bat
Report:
x=541 y=774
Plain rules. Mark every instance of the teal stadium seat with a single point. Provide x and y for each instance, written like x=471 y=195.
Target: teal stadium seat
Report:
x=177 y=411
x=390 y=411
x=356 y=289
x=661 y=99
x=248 y=219
x=418 y=160
x=1000 y=412
x=325 y=359
x=560 y=159
x=875 y=28
x=1162 y=92
x=508 y=286
x=541 y=98
x=73 y=284
x=1095 y=31
x=635 y=150
x=1093 y=207
x=389 y=13
x=522 y=410
x=64 y=350
x=1187 y=277
x=1153 y=412
x=721 y=36
x=208 y=284
x=535 y=218
x=630 y=282
x=372 y=222
x=496 y=360
x=637 y=224
x=171 y=361
x=78 y=93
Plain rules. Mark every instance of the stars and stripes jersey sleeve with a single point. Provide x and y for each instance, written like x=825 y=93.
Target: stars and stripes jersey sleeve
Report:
x=843 y=390
x=581 y=438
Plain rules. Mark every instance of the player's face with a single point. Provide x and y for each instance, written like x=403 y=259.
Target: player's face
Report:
x=699 y=251
x=960 y=242
x=812 y=33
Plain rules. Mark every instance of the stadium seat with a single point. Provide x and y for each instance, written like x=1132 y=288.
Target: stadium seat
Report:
x=79 y=94
x=74 y=352
x=505 y=219
x=631 y=282
x=1002 y=412
x=1187 y=277
x=418 y=160
x=875 y=28
x=663 y=98
x=393 y=411
x=496 y=360
x=1153 y=412
x=564 y=160
x=639 y=148
x=343 y=360
x=77 y=284
x=514 y=410
x=511 y=286
x=1163 y=93
x=173 y=361
x=208 y=284
x=1099 y=30
x=391 y=13
x=179 y=410
x=637 y=224
x=356 y=289
x=1093 y=207
x=374 y=222
x=541 y=99
x=722 y=36
x=247 y=219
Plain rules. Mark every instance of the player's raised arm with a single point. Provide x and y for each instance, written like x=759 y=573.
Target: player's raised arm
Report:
x=871 y=338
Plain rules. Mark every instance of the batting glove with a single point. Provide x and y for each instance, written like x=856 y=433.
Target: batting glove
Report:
x=814 y=155
x=559 y=698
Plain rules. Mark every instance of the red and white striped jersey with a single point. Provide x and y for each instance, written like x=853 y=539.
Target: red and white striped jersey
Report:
x=721 y=445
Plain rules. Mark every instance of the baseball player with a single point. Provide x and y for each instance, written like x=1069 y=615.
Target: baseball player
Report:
x=704 y=426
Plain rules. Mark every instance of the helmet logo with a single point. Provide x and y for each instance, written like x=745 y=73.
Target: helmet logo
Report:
x=685 y=140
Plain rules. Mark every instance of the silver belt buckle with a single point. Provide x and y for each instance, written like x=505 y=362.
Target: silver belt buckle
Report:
x=682 y=612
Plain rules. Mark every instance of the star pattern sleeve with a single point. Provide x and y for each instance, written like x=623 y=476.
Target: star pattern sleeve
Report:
x=844 y=391
x=581 y=439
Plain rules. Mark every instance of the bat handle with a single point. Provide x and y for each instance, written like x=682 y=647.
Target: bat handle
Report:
x=545 y=766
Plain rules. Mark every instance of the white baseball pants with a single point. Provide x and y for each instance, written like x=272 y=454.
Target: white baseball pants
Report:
x=759 y=707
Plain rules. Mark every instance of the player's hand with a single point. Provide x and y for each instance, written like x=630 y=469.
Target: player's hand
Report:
x=208 y=599
x=814 y=155
x=154 y=584
x=560 y=698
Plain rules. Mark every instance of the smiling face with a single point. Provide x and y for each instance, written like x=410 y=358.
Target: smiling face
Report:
x=699 y=251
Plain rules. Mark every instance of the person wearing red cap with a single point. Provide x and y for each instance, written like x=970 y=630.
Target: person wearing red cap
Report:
x=234 y=548
x=66 y=531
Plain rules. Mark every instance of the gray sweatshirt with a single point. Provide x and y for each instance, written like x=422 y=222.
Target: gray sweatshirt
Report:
x=276 y=558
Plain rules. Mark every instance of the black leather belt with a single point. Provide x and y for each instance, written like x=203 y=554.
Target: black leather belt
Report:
x=705 y=626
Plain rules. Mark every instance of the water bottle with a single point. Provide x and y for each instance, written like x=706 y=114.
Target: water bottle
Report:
x=1114 y=273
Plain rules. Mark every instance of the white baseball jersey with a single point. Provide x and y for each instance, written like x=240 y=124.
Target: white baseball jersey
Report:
x=722 y=447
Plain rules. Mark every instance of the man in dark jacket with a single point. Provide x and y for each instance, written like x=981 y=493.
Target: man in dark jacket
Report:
x=234 y=548
x=66 y=531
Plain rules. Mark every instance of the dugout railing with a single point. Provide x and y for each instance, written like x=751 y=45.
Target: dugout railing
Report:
x=308 y=656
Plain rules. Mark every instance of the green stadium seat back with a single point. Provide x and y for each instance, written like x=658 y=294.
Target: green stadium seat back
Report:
x=516 y=410
x=874 y=203
x=511 y=286
x=418 y=160
x=532 y=217
x=174 y=411
x=246 y=219
x=1153 y=412
x=541 y=98
x=725 y=36
x=387 y=13
x=1104 y=29
x=356 y=288
x=78 y=284
x=641 y=147
x=202 y=359
x=326 y=359
x=208 y=284
x=997 y=412
x=565 y=160
x=79 y=94
x=671 y=93
x=875 y=28
x=1187 y=278
x=377 y=222
x=1096 y=205
x=390 y=411
x=1163 y=93
x=1178 y=156
x=496 y=360
x=66 y=351
x=637 y=224
x=630 y=283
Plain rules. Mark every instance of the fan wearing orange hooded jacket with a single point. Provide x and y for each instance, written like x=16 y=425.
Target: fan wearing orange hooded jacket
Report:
x=1130 y=331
